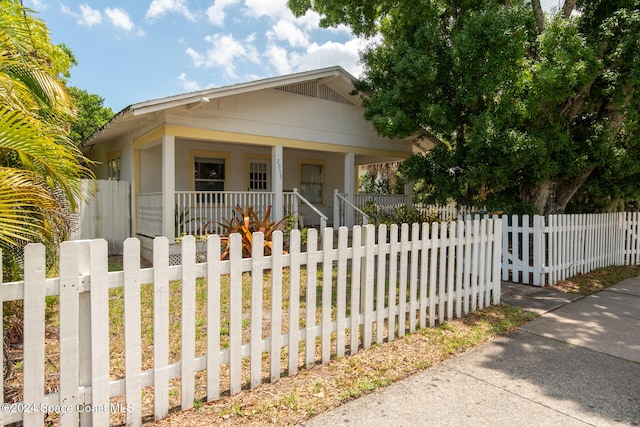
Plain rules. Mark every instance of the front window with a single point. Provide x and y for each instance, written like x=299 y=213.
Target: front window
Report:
x=258 y=175
x=114 y=167
x=209 y=174
x=312 y=182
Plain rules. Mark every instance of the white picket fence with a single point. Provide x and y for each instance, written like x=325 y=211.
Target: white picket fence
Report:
x=543 y=251
x=386 y=282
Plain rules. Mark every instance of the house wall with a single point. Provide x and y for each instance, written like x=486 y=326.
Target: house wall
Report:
x=289 y=116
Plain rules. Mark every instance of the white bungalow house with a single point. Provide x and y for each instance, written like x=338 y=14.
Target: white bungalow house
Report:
x=288 y=142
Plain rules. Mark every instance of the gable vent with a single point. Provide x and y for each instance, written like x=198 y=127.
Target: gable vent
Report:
x=331 y=95
x=313 y=90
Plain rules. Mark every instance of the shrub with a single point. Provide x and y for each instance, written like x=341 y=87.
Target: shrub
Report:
x=397 y=215
x=247 y=222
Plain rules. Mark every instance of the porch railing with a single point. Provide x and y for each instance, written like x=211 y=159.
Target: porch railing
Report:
x=386 y=200
x=300 y=198
x=345 y=212
x=199 y=212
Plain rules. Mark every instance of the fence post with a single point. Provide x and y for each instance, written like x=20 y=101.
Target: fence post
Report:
x=538 y=250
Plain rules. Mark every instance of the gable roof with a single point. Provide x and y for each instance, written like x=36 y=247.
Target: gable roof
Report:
x=335 y=84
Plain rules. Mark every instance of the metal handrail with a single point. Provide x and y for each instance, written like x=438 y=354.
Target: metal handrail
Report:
x=323 y=217
x=365 y=217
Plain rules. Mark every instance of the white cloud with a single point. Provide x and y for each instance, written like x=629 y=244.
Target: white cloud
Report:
x=119 y=18
x=88 y=17
x=216 y=12
x=274 y=9
x=331 y=53
x=186 y=84
x=279 y=58
x=158 y=8
x=286 y=30
x=225 y=50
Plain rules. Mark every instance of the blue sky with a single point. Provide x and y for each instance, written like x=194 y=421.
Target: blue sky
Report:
x=130 y=51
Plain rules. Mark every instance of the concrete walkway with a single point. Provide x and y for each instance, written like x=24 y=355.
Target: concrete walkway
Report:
x=576 y=365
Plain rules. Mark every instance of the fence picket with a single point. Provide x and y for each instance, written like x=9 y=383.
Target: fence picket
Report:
x=424 y=274
x=327 y=279
x=132 y=327
x=413 y=276
x=213 y=317
x=433 y=269
x=188 y=322
x=354 y=312
x=294 y=300
x=161 y=327
x=257 y=269
x=276 y=304
x=381 y=279
x=496 y=290
x=69 y=331
x=451 y=259
x=33 y=348
x=99 y=300
x=310 y=309
x=468 y=234
x=394 y=248
x=367 y=287
x=341 y=291
x=402 y=292
x=235 y=314
x=442 y=269
x=459 y=260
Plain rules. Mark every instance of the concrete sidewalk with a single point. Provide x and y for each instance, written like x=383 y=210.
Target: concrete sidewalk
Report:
x=576 y=365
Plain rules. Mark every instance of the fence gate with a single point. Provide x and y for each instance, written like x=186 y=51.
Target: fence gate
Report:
x=106 y=214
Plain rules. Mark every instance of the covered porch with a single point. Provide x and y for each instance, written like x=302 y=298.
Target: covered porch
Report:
x=187 y=182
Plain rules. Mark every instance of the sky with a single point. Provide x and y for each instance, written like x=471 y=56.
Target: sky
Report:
x=130 y=51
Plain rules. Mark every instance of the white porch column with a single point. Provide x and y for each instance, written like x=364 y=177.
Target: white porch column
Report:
x=168 y=187
x=349 y=187
x=276 y=182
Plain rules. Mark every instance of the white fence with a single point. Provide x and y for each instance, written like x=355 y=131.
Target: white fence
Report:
x=542 y=251
x=107 y=214
x=338 y=298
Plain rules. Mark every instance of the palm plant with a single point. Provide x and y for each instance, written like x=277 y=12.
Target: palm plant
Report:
x=40 y=168
x=246 y=223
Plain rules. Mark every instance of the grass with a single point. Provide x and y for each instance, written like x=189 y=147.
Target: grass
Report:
x=597 y=280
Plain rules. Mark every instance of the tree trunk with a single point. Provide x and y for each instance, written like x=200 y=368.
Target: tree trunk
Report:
x=538 y=13
x=552 y=196
x=568 y=7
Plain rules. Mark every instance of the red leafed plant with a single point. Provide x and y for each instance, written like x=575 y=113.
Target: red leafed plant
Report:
x=247 y=222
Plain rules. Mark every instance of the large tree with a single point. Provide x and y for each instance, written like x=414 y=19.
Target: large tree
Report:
x=525 y=106
x=40 y=167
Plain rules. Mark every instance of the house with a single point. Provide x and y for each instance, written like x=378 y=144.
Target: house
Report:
x=292 y=142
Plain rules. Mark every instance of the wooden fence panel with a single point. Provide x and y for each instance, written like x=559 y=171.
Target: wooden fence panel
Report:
x=106 y=213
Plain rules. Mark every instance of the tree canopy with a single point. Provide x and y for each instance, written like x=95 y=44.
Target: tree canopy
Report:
x=528 y=110
x=40 y=167
x=92 y=114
